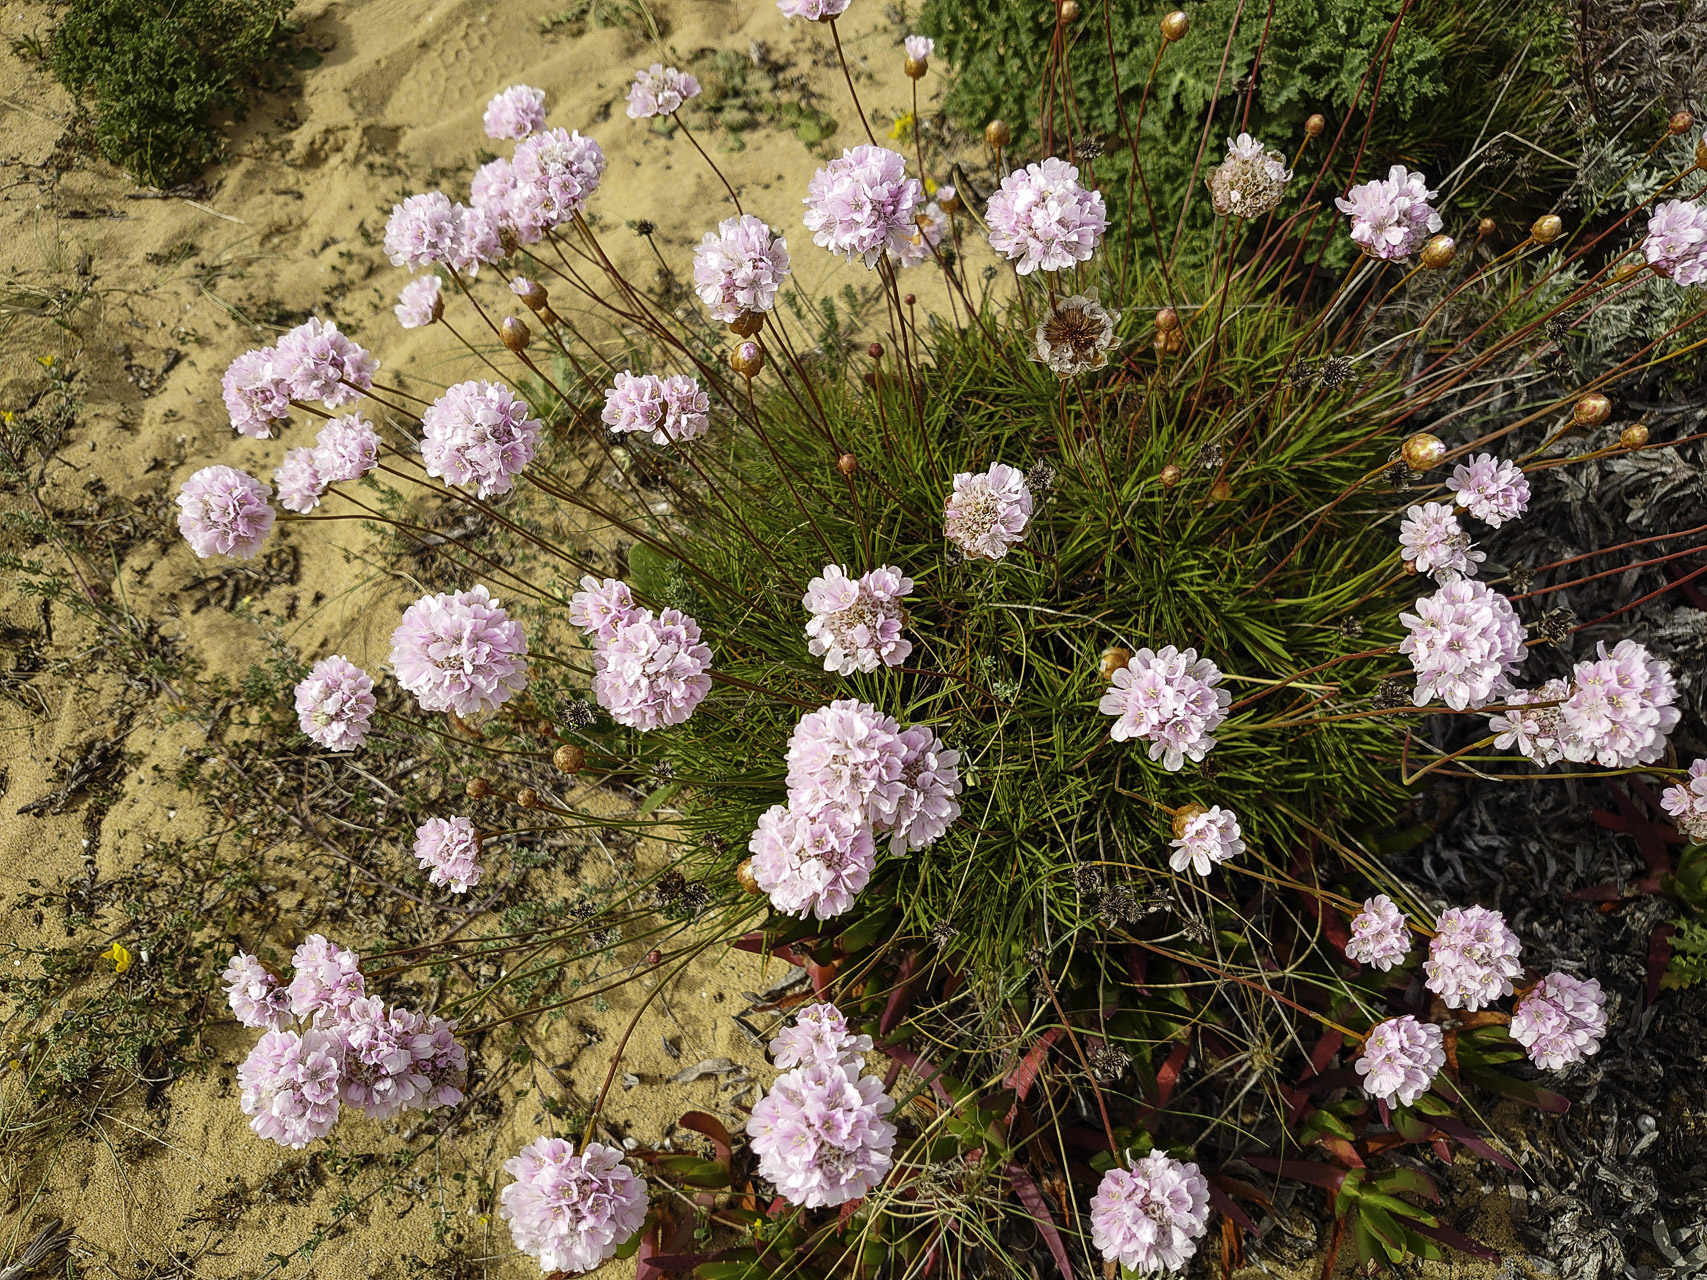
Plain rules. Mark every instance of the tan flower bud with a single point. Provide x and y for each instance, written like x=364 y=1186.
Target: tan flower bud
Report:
x=875 y=351
x=1438 y=252
x=477 y=789
x=847 y=464
x=1184 y=814
x=1681 y=122
x=1175 y=25
x=748 y=358
x=1221 y=491
x=1633 y=436
x=745 y=878
x=747 y=324
x=1592 y=410
x=535 y=296
x=915 y=68
x=1167 y=318
x=997 y=135
x=1069 y=10
x=527 y=798
x=1170 y=476
x=569 y=758
x=1114 y=658
x=1423 y=452
x=1316 y=125
x=1627 y=269
x=514 y=334
x=1547 y=228
x=1487 y=227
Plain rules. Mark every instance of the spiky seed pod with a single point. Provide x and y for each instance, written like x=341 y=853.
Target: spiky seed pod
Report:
x=745 y=878
x=1171 y=476
x=1175 y=25
x=477 y=789
x=1633 y=436
x=748 y=358
x=1681 y=122
x=1316 y=125
x=997 y=134
x=1439 y=252
x=527 y=798
x=1487 y=227
x=1547 y=228
x=1114 y=658
x=1221 y=491
x=1592 y=410
x=514 y=334
x=1184 y=814
x=747 y=324
x=1423 y=452
x=847 y=464
x=569 y=758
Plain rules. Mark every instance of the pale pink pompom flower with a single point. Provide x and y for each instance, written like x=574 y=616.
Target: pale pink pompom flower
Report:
x=1206 y=840
x=1169 y=700
x=1400 y=1060
x=479 y=434
x=930 y=781
x=1472 y=958
x=515 y=113
x=448 y=850
x=1560 y=1021
x=1533 y=729
x=1464 y=641
x=460 y=652
x=862 y=204
x=290 y=1085
x=601 y=607
x=396 y=1059
x=687 y=410
x=1676 y=243
x=813 y=10
x=738 y=268
x=571 y=1211
x=856 y=622
x=1149 y=1218
x=556 y=173
x=1379 y=935
x=1492 y=489
x=1620 y=709
x=1391 y=216
x=652 y=671
x=635 y=402
x=224 y=512
x=299 y=482
x=335 y=703
x=1686 y=802
x=422 y=231
x=256 y=393
x=320 y=363
x=811 y=863
x=919 y=48
x=1042 y=219
x=255 y=994
x=819 y=1034
x=820 y=1134
x=848 y=755
x=324 y=979
x=1431 y=538
x=346 y=449
x=987 y=512
x=660 y=91
x=419 y=303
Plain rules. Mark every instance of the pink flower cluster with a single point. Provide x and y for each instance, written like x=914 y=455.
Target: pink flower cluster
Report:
x=255 y=994
x=1150 y=1218
x=256 y=394
x=1560 y=1021
x=1620 y=709
x=460 y=652
x=551 y=177
x=1042 y=218
x=660 y=91
x=863 y=203
x=819 y=1035
x=1431 y=539
x=1686 y=801
x=419 y=303
x=988 y=511
x=571 y=1212
x=1676 y=243
x=1379 y=934
x=1492 y=489
x=481 y=434
x=648 y=671
x=1401 y=1058
x=738 y=268
x=1391 y=216
x=1530 y=722
x=673 y=408
x=334 y=704
x=312 y=362
x=1206 y=840
x=224 y=512
x=1472 y=958
x=299 y=483
x=515 y=112
x=856 y=622
x=345 y=449
x=811 y=862
x=1463 y=642
x=448 y=850
x=1169 y=700
x=428 y=230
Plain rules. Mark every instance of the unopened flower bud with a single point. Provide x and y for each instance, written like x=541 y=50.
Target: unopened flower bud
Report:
x=1681 y=122
x=1487 y=227
x=875 y=351
x=514 y=334
x=948 y=199
x=532 y=293
x=847 y=464
x=1175 y=25
x=1701 y=153
x=1184 y=814
x=1221 y=491
x=908 y=300
x=1167 y=318
x=654 y=956
x=1633 y=436
x=477 y=789
x=1069 y=10
x=527 y=798
x=1592 y=410
x=745 y=878
x=997 y=135
x=1627 y=269
x=747 y=324
x=1170 y=476
x=916 y=68
x=569 y=758
x=1114 y=658
x=747 y=358
x=1423 y=452
x=1316 y=125
x=1547 y=228
x=1438 y=252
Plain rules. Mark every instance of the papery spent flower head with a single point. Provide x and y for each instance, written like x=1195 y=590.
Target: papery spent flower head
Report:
x=224 y=512
x=1250 y=181
x=319 y=363
x=600 y=608
x=556 y=173
x=569 y=1211
x=813 y=10
x=811 y=863
x=334 y=703
x=1492 y=489
x=1560 y=1021
x=1472 y=958
x=930 y=778
x=515 y=113
x=448 y=850
x=290 y=1085
x=1431 y=537
x=422 y=231
x=919 y=48
x=298 y=480
x=1207 y=840
x=659 y=91
x=863 y=203
x=1464 y=641
x=1533 y=730
x=1391 y=216
x=419 y=303
x=346 y=449
x=1620 y=708
x=930 y=225
x=1169 y=700
x=988 y=511
x=1075 y=336
x=651 y=672
x=848 y=755
x=460 y=652
x=256 y=996
x=1042 y=218
x=256 y=394
x=324 y=979
x=1676 y=243
x=1150 y=1218
x=820 y=1134
x=738 y=268
x=1686 y=801
x=396 y=1059
x=856 y=622
x=1400 y=1060
x=819 y=1034
x=1379 y=934
x=480 y=434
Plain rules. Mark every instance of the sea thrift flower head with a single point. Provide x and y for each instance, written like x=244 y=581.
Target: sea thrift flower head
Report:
x=659 y=91
x=1686 y=802
x=1042 y=218
x=478 y=240
x=1491 y=489
x=1400 y=1060
x=319 y=363
x=1250 y=181
x=516 y=113
x=257 y=997
x=1472 y=958
x=492 y=190
x=300 y=485
x=334 y=703
x=1676 y=243
x=224 y=512
x=346 y=449
x=856 y=622
x=930 y=225
x=571 y=1212
x=1208 y=839
x=987 y=512
x=1379 y=934
x=811 y=863
x=819 y=1034
x=687 y=410
x=419 y=303
x=1075 y=336
x=813 y=10
x=325 y=978
x=820 y=1134
x=397 y=1059
x=848 y=755
x=422 y=231
x=1431 y=537
x=290 y=1085
x=480 y=434
x=256 y=394
x=651 y=672
x=1464 y=641
x=1560 y=1021
x=1391 y=216
x=448 y=850
x=930 y=778
x=460 y=652
x=1150 y=1218
x=600 y=608
x=438 y=1057
x=1169 y=700
x=643 y=402
x=1533 y=730
x=863 y=203
x=738 y=268
x=919 y=48
x=1620 y=708
x=556 y=174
